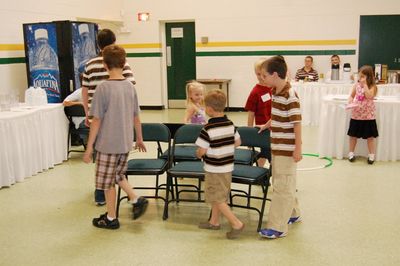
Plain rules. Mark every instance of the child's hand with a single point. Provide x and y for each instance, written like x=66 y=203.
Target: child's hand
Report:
x=265 y=126
x=140 y=146
x=87 y=157
x=297 y=155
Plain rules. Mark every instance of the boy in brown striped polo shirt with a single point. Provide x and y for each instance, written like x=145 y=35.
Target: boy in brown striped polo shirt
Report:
x=286 y=148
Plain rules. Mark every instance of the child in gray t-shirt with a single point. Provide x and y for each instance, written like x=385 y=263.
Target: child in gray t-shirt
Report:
x=115 y=112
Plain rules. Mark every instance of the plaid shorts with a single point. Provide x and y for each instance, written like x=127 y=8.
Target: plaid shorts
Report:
x=110 y=168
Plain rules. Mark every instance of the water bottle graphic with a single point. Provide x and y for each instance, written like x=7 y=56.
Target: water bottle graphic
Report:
x=44 y=66
x=87 y=46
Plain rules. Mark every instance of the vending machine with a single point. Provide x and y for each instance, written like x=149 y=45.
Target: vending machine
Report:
x=56 y=53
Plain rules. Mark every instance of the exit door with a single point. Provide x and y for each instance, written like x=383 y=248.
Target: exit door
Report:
x=181 y=60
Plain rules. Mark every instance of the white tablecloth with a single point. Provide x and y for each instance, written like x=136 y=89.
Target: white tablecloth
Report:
x=31 y=140
x=311 y=94
x=334 y=123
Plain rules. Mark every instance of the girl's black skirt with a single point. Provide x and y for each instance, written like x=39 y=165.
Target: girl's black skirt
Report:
x=363 y=129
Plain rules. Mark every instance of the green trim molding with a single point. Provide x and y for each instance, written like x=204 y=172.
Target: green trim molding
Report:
x=278 y=52
x=12 y=60
x=19 y=60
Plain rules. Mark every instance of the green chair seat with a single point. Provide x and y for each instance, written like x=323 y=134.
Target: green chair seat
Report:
x=146 y=166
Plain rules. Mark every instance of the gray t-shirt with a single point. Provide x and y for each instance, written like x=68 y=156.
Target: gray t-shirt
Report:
x=115 y=103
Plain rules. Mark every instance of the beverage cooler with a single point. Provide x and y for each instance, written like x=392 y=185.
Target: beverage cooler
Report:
x=56 y=53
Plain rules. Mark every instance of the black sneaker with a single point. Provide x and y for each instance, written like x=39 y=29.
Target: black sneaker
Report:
x=139 y=207
x=103 y=222
x=352 y=159
x=370 y=161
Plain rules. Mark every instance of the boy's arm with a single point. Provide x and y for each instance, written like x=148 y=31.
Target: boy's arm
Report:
x=200 y=152
x=250 y=118
x=297 y=149
x=139 y=136
x=94 y=130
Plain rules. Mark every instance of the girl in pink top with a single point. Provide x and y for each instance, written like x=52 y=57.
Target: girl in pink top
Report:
x=363 y=123
x=195 y=110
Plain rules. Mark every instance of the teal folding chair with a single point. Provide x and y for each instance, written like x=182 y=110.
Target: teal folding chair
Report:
x=156 y=166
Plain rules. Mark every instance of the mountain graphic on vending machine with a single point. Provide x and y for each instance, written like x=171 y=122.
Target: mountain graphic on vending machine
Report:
x=46 y=81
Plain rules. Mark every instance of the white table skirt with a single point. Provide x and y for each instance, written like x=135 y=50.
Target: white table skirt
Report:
x=334 y=123
x=311 y=94
x=31 y=141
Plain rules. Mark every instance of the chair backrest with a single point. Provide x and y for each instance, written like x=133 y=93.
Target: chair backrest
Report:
x=155 y=132
x=74 y=110
x=187 y=134
x=251 y=138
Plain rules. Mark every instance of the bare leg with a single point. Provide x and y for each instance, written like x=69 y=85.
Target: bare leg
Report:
x=353 y=143
x=124 y=184
x=215 y=215
x=110 y=202
x=227 y=212
x=261 y=162
x=371 y=145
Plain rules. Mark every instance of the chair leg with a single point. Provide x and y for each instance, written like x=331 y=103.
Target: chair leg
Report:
x=118 y=201
x=199 y=189
x=169 y=186
x=157 y=185
x=248 y=196
x=176 y=189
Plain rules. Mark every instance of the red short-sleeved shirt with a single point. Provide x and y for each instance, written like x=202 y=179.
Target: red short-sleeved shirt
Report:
x=259 y=102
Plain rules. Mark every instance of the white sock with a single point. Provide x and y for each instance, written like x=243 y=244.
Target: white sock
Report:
x=134 y=200
x=371 y=157
x=351 y=154
x=109 y=218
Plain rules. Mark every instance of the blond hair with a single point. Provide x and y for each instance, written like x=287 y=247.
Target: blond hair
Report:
x=191 y=86
x=216 y=99
x=258 y=63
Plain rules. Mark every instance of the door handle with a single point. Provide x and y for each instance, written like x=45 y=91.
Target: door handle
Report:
x=169 y=59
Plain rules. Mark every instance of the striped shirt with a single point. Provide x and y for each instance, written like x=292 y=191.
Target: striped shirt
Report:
x=218 y=137
x=95 y=73
x=284 y=114
x=302 y=74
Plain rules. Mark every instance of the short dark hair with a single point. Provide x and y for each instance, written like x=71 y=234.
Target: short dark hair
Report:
x=105 y=37
x=216 y=99
x=276 y=64
x=114 y=56
x=335 y=55
x=309 y=56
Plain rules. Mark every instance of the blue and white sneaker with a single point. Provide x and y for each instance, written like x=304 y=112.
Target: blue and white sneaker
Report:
x=271 y=233
x=293 y=220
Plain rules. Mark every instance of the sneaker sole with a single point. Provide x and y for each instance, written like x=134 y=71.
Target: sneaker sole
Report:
x=297 y=221
x=273 y=236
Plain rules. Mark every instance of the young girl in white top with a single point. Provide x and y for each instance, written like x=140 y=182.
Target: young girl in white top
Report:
x=195 y=110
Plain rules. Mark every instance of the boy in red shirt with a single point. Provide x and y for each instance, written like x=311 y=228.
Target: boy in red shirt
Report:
x=258 y=106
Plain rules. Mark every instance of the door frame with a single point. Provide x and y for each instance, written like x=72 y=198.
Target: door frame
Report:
x=163 y=41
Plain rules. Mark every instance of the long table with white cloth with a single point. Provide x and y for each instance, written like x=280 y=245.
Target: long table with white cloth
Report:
x=32 y=139
x=311 y=94
x=334 y=123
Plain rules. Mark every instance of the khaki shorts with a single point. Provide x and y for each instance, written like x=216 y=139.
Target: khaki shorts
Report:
x=218 y=187
x=110 y=168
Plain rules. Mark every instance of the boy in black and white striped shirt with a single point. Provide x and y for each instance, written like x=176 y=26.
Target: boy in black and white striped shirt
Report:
x=217 y=142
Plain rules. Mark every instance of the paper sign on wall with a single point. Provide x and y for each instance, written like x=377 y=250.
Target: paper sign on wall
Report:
x=176 y=32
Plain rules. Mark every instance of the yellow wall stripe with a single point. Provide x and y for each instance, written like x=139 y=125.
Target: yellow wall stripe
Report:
x=20 y=47
x=11 y=47
x=279 y=43
x=141 y=45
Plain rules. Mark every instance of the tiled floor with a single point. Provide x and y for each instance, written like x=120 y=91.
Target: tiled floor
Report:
x=350 y=217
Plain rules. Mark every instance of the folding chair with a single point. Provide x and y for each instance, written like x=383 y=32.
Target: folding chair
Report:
x=83 y=133
x=188 y=166
x=252 y=175
x=246 y=153
x=156 y=166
